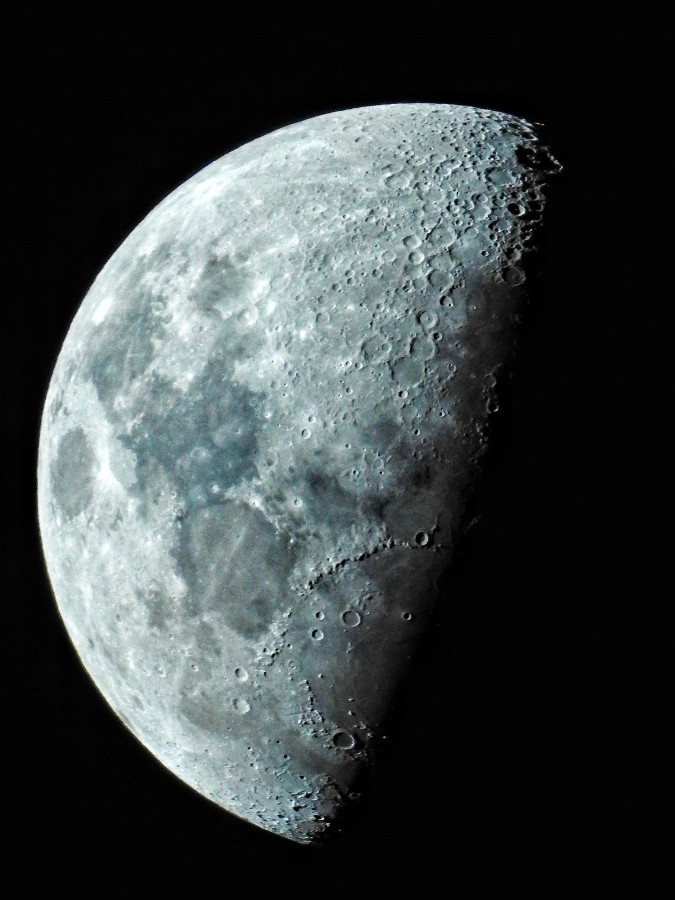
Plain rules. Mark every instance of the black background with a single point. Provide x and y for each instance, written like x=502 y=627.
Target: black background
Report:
x=532 y=738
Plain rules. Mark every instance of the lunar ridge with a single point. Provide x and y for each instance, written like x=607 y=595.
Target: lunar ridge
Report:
x=261 y=433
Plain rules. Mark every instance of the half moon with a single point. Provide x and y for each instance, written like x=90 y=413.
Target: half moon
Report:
x=261 y=433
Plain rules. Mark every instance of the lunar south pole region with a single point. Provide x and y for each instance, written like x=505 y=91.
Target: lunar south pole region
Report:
x=262 y=431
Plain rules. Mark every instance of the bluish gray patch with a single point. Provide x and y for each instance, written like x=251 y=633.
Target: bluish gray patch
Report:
x=222 y=281
x=385 y=433
x=326 y=500
x=122 y=349
x=72 y=473
x=235 y=564
x=203 y=437
x=159 y=608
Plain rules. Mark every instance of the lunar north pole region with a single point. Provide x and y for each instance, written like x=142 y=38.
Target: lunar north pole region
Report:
x=260 y=436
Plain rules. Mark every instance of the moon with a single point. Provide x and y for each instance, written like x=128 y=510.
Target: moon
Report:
x=261 y=433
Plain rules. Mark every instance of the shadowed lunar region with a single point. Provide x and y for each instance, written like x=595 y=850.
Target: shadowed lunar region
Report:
x=261 y=434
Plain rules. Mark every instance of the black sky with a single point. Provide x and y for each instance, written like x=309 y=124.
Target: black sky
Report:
x=533 y=734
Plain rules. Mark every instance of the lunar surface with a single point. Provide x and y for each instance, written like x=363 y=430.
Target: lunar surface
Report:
x=261 y=433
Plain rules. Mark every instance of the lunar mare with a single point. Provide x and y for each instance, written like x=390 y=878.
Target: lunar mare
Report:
x=260 y=436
